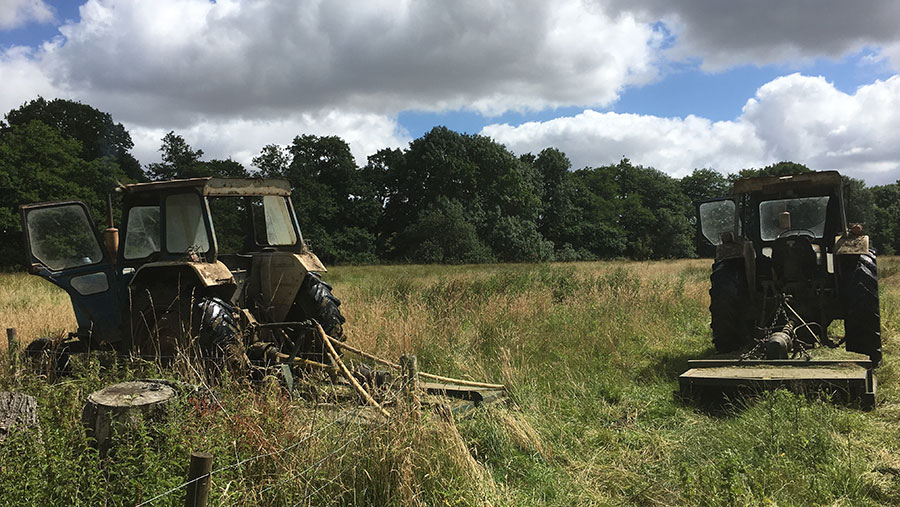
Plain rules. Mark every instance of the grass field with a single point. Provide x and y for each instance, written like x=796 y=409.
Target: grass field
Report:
x=590 y=352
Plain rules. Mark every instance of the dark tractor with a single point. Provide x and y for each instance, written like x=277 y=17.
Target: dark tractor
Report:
x=172 y=284
x=787 y=264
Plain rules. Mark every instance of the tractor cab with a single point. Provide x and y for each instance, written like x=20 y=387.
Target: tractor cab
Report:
x=785 y=256
x=235 y=241
x=786 y=266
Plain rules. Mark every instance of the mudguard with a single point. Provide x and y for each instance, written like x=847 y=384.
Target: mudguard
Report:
x=849 y=244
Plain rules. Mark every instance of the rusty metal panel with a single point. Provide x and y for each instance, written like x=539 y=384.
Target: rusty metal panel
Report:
x=158 y=186
x=310 y=261
x=279 y=275
x=218 y=186
x=212 y=273
x=247 y=186
x=851 y=381
x=851 y=245
x=209 y=273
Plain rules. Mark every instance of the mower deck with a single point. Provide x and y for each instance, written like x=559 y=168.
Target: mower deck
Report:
x=849 y=381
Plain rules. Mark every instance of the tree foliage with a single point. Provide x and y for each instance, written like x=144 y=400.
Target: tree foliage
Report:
x=471 y=185
x=447 y=197
x=98 y=134
x=39 y=164
x=336 y=204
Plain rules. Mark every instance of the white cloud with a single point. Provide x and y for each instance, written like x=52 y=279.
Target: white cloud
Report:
x=673 y=145
x=17 y=13
x=154 y=60
x=233 y=76
x=728 y=33
x=807 y=118
x=795 y=117
x=890 y=55
x=23 y=79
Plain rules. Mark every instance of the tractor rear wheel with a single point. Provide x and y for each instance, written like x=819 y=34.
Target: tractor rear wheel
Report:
x=317 y=302
x=218 y=328
x=729 y=305
x=859 y=301
x=166 y=325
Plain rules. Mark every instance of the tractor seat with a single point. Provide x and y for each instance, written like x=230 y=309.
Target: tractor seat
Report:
x=793 y=258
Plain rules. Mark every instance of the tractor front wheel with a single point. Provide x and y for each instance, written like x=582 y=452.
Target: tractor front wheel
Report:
x=729 y=305
x=859 y=301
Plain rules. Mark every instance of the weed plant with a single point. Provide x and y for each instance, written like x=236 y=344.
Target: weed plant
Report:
x=590 y=353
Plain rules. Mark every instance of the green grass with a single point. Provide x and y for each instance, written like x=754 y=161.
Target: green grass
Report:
x=590 y=352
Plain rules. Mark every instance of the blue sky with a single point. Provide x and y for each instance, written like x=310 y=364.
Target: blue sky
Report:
x=682 y=91
x=676 y=86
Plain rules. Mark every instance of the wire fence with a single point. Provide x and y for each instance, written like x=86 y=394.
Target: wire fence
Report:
x=55 y=360
x=345 y=417
x=314 y=467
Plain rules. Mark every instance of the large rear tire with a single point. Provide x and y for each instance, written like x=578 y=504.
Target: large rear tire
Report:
x=729 y=305
x=315 y=301
x=859 y=301
x=219 y=330
x=318 y=303
x=166 y=325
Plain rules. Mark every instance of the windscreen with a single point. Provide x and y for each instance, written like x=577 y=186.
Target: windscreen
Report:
x=804 y=214
x=142 y=232
x=185 y=229
x=273 y=222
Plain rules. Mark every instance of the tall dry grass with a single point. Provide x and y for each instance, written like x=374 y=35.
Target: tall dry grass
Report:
x=33 y=306
x=590 y=353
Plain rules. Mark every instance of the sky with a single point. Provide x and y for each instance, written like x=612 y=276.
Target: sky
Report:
x=671 y=85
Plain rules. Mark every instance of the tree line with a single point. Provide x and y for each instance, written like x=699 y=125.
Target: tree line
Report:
x=446 y=198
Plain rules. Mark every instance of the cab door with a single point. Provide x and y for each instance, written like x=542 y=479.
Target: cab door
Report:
x=63 y=247
x=714 y=216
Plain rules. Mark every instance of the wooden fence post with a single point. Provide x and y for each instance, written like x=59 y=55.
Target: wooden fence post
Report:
x=410 y=370
x=198 y=490
x=12 y=347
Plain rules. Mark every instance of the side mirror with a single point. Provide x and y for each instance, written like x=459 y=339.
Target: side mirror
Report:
x=715 y=217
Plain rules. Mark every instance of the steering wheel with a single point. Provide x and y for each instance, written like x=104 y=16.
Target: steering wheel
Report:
x=796 y=232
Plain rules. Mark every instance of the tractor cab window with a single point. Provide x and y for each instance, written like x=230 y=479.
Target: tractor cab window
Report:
x=185 y=228
x=62 y=237
x=804 y=215
x=142 y=232
x=716 y=217
x=229 y=218
x=273 y=224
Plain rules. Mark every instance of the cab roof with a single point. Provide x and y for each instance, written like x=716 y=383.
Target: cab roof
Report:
x=216 y=186
x=776 y=184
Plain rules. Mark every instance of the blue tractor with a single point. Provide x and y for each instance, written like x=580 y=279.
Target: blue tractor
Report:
x=173 y=284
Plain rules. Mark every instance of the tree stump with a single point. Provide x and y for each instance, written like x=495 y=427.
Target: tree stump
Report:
x=17 y=410
x=120 y=407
